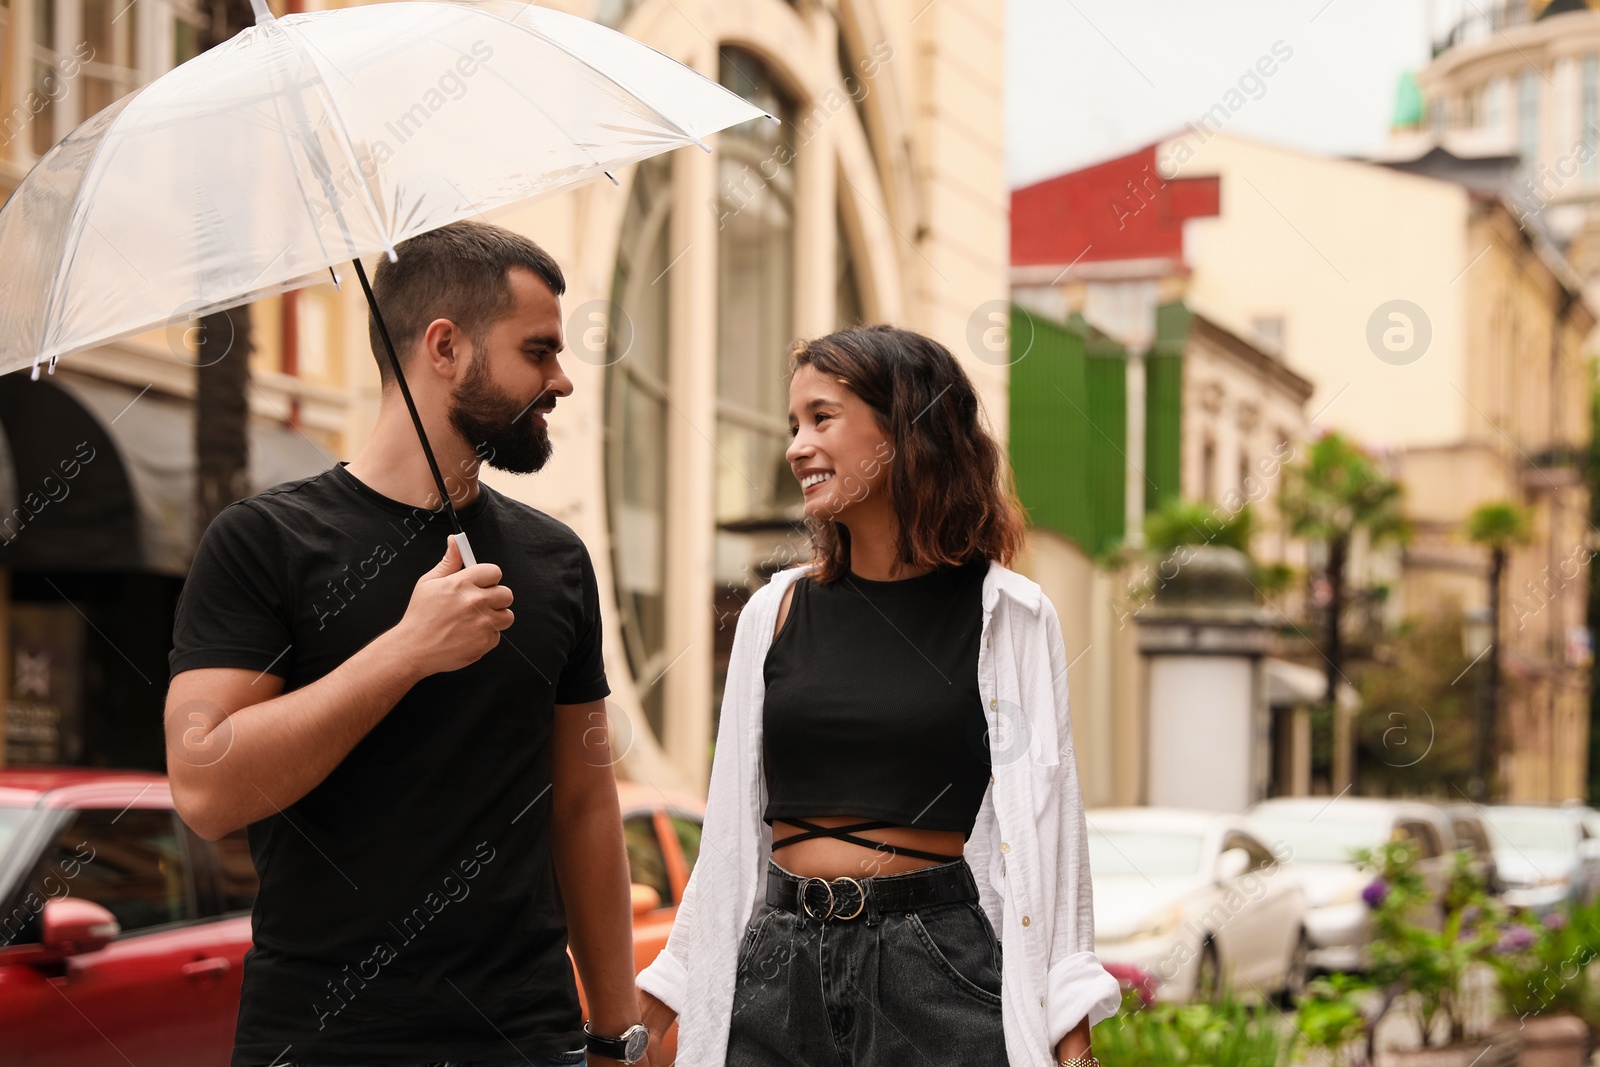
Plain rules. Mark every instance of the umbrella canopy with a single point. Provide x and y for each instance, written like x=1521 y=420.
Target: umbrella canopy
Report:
x=320 y=137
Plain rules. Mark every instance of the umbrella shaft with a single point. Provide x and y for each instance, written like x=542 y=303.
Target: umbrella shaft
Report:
x=411 y=405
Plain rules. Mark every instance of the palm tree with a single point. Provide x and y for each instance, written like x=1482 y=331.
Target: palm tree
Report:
x=1497 y=526
x=1336 y=492
x=222 y=377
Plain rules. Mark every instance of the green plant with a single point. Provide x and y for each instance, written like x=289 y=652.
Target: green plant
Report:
x=1422 y=947
x=1542 y=964
x=1329 y=1016
x=1225 y=1034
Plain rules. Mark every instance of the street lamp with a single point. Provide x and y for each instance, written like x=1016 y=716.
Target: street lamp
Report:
x=1477 y=635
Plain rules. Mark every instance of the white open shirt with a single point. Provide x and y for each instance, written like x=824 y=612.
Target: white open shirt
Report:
x=1027 y=849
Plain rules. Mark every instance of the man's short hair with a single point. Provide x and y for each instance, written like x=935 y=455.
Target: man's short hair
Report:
x=457 y=272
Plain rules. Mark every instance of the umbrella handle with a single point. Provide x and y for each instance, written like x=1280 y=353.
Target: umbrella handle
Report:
x=467 y=558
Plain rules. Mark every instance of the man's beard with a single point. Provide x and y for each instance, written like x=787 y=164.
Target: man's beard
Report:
x=499 y=428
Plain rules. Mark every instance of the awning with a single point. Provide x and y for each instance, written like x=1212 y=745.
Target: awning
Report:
x=1289 y=684
x=103 y=475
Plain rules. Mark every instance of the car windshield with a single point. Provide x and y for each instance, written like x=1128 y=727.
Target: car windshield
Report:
x=1531 y=831
x=11 y=822
x=1143 y=852
x=1324 y=838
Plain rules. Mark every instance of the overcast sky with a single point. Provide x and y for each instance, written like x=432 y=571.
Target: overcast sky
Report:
x=1087 y=80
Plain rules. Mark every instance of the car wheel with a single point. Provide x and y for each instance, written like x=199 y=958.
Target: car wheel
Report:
x=1208 y=975
x=1298 y=975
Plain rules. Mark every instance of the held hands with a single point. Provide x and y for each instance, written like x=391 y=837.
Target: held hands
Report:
x=456 y=614
x=658 y=1019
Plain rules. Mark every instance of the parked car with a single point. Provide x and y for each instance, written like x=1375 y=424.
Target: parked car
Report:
x=1198 y=900
x=1471 y=835
x=123 y=933
x=1546 y=855
x=1316 y=837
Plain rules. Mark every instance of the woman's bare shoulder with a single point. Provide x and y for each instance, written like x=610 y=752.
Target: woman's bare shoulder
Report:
x=783 y=607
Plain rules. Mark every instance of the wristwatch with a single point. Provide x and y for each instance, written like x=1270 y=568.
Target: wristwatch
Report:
x=628 y=1048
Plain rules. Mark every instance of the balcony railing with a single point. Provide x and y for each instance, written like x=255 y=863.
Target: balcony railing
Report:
x=1483 y=21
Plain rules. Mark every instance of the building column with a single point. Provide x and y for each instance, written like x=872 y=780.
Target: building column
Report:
x=692 y=427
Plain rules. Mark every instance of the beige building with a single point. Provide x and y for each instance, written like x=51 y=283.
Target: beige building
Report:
x=1439 y=332
x=881 y=197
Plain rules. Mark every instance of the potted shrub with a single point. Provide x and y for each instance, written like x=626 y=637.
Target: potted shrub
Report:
x=1421 y=950
x=1542 y=973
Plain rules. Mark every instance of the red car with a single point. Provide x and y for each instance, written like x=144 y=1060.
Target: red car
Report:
x=122 y=933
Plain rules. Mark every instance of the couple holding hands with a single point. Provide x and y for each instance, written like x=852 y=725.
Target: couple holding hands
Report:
x=893 y=868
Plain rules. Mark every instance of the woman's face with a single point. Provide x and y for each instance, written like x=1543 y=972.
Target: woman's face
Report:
x=837 y=451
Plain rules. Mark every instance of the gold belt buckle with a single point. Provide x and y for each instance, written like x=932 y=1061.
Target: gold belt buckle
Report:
x=861 y=898
x=805 y=902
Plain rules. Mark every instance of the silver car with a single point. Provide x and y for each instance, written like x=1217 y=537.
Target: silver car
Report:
x=1547 y=856
x=1317 y=836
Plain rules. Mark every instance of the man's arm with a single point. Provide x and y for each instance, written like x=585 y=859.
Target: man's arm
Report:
x=240 y=749
x=591 y=860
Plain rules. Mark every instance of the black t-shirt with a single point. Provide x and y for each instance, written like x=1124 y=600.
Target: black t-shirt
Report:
x=872 y=705
x=408 y=908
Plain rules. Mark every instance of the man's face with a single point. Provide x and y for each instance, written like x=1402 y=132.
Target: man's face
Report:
x=514 y=379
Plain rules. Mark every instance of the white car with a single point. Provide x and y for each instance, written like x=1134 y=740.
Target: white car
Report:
x=1315 y=837
x=1197 y=900
x=1546 y=856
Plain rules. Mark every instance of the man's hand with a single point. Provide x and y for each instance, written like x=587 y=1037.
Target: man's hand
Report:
x=456 y=614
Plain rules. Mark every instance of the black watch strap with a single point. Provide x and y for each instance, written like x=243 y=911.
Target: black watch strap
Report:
x=635 y=1039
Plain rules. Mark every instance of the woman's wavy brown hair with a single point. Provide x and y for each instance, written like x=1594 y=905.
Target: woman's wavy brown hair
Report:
x=950 y=485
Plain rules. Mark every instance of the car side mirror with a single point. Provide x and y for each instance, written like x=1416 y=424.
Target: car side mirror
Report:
x=645 y=899
x=68 y=926
x=1231 y=864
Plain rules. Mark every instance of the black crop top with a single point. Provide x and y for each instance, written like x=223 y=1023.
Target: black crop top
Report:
x=872 y=703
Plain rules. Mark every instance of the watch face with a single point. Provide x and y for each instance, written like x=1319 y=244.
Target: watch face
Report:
x=638 y=1041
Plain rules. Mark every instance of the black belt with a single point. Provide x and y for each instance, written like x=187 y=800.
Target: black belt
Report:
x=868 y=898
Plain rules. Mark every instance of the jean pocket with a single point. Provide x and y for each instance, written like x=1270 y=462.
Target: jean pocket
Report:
x=958 y=939
x=758 y=924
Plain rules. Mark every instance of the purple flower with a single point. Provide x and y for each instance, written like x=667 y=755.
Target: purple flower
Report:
x=1516 y=938
x=1376 y=892
x=1554 y=921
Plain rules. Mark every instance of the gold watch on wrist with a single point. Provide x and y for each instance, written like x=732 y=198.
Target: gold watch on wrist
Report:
x=1079 y=1061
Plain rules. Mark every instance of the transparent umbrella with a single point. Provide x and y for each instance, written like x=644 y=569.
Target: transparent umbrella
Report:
x=316 y=138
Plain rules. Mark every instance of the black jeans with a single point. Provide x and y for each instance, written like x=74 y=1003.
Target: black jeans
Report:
x=575 y=1058
x=913 y=988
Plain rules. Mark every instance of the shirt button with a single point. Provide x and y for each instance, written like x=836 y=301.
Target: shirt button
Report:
x=991 y=779
x=1005 y=846
x=1026 y=921
x=993 y=704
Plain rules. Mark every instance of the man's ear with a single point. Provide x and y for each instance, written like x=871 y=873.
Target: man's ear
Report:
x=444 y=349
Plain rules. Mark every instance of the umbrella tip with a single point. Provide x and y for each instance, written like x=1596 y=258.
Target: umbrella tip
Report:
x=392 y=257
x=263 y=12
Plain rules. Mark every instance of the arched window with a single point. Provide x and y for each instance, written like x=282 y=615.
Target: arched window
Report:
x=757 y=497
x=636 y=427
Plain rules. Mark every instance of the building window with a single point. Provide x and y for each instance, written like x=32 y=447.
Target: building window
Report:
x=1528 y=119
x=636 y=427
x=1589 y=134
x=757 y=497
x=1208 y=470
x=1494 y=105
x=1268 y=330
x=848 y=308
x=84 y=55
x=614 y=13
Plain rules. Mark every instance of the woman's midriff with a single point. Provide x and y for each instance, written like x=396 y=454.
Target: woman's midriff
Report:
x=830 y=857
